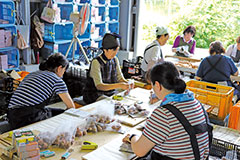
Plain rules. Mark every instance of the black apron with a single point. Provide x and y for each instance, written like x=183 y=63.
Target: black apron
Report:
x=19 y=116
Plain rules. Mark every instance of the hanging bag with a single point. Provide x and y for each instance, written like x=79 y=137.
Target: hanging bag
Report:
x=48 y=13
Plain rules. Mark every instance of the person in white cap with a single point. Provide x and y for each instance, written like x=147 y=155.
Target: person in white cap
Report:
x=153 y=52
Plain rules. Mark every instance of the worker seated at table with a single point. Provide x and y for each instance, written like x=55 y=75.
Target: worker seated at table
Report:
x=217 y=68
x=153 y=52
x=233 y=51
x=164 y=136
x=185 y=45
x=27 y=104
x=105 y=75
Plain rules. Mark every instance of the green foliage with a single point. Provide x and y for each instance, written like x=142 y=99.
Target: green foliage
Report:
x=213 y=19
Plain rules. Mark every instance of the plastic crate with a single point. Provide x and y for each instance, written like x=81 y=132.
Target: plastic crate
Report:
x=7 y=12
x=96 y=43
x=101 y=13
x=214 y=95
x=113 y=13
x=113 y=27
x=65 y=10
x=12 y=28
x=102 y=29
x=58 y=46
x=13 y=57
x=58 y=31
x=114 y=2
x=234 y=118
x=94 y=2
x=86 y=33
x=220 y=147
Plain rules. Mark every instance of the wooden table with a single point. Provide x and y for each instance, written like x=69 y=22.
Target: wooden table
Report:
x=101 y=138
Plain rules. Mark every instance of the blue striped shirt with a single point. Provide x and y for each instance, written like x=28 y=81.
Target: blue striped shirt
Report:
x=36 y=88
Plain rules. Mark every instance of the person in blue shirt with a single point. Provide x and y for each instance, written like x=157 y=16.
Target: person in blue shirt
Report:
x=217 y=68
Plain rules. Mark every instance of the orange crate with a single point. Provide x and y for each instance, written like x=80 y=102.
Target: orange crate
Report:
x=214 y=95
x=234 y=118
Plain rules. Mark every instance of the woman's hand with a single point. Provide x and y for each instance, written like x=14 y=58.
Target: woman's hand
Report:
x=126 y=139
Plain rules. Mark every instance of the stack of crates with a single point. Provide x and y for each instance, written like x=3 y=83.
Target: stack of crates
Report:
x=8 y=35
x=217 y=96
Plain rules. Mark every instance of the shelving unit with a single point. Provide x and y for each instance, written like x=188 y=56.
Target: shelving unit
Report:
x=104 y=17
x=8 y=36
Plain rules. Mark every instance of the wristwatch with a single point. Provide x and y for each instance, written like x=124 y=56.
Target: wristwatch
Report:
x=130 y=138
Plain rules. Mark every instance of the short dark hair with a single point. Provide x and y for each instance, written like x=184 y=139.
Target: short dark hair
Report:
x=54 y=61
x=216 y=47
x=166 y=74
x=111 y=41
x=158 y=36
x=238 y=39
x=190 y=29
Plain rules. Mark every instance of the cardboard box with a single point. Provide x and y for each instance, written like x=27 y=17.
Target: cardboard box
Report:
x=2 y=38
x=8 y=38
x=3 y=61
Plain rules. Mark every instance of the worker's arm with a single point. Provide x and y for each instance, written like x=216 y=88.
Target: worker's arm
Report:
x=198 y=78
x=236 y=73
x=138 y=143
x=66 y=98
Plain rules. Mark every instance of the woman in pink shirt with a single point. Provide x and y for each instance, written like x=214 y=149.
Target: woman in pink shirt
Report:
x=185 y=45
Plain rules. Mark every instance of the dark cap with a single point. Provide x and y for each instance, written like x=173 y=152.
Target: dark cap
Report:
x=111 y=41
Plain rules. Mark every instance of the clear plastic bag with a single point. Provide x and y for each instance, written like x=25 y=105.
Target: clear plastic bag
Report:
x=63 y=136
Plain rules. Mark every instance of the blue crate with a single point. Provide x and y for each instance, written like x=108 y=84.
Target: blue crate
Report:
x=58 y=31
x=114 y=2
x=7 y=11
x=98 y=41
x=59 y=46
x=102 y=28
x=79 y=9
x=101 y=2
x=78 y=53
x=101 y=12
x=65 y=10
x=13 y=57
x=13 y=30
x=114 y=13
x=87 y=32
x=113 y=27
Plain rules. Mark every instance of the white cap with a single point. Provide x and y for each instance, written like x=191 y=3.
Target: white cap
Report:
x=161 y=30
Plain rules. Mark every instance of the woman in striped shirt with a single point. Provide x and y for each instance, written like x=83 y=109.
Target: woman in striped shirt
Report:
x=164 y=137
x=27 y=104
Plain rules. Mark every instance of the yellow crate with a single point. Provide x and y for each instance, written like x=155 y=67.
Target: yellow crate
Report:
x=214 y=95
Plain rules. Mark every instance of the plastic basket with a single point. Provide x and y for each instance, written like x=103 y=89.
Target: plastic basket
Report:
x=113 y=27
x=214 y=95
x=12 y=28
x=58 y=46
x=58 y=31
x=101 y=12
x=65 y=10
x=234 y=118
x=97 y=42
x=7 y=12
x=114 y=2
x=113 y=13
x=220 y=147
x=102 y=29
x=13 y=57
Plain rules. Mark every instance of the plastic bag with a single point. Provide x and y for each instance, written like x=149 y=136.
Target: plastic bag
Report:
x=21 y=44
x=64 y=134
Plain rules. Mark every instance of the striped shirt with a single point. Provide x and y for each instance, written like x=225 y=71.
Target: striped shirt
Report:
x=170 y=137
x=36 y=88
